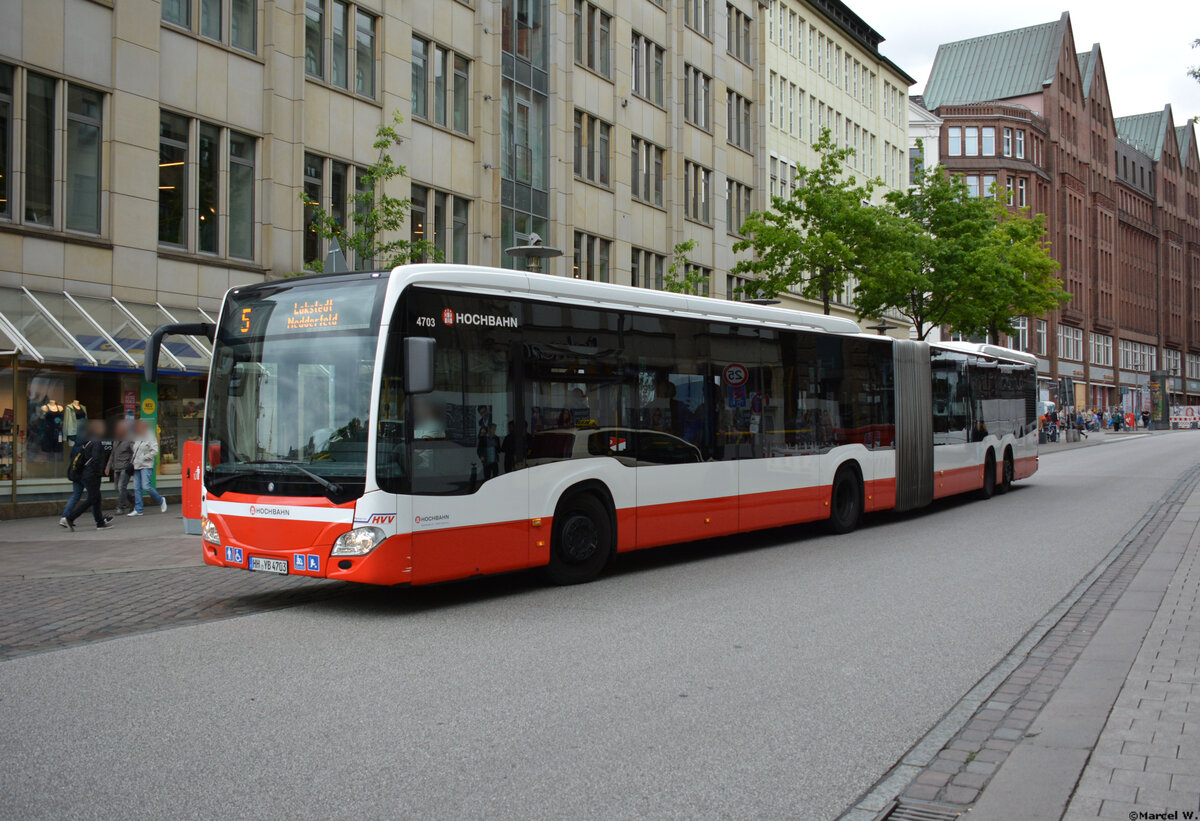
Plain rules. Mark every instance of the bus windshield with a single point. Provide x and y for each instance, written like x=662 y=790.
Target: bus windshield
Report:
x=289 y=395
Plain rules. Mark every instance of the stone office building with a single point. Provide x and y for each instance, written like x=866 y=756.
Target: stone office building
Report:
x=1028 y=117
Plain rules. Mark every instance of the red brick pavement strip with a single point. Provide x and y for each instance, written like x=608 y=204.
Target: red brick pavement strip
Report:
x=962 y=768
x=53 y=613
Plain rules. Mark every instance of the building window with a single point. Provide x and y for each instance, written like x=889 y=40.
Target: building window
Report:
x=222 y=208
x=647 y=171
x=737 y=111
x=648 y=58
x=172 y=179
x=737 y=205
x=591 y=148
x=6 y=140
x=1020 y=145
x=327 y=22
x=50 y=195
x=1070 y=343
x=988 y=186
x=1102 y=348
x=697 y=191
x=1041 y=337
x=591 y=257
x=1021 y=340
x=972 y=183
x=737 y=31
x=695 y=15
x=989 y=141
x=234 y=22
x=432 y=81
x=523 y=136
x=646 y=269
x=593 y=41
x=771 y=99
x=697 y=96
x=83 y=159
x=954 y=140
x=737 y=288
x=1008 y=138
x=1021 y=198
x=971 y=141
x=1173 y=361
x=440 y=219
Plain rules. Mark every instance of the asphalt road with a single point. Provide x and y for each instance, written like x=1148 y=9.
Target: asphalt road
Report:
x=772 y=676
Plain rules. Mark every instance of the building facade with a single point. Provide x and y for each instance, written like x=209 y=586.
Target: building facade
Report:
x=1027 y=118
x=154 y=153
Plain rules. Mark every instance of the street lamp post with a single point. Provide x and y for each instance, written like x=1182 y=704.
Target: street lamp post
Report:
x=534 y=252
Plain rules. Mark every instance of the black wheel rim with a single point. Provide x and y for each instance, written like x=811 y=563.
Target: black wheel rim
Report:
x=580 y=538
x=1008 y=471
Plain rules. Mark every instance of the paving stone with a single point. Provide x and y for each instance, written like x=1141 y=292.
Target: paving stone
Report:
x=960 y=795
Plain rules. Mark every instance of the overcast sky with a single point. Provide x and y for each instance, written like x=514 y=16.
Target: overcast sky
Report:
x=1146 y=69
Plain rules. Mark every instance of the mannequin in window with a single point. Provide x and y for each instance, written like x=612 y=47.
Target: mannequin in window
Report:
x=74 y=419
x=52 y=426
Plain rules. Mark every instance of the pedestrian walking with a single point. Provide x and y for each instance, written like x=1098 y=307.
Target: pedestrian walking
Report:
x=75 y=474
x=1116 y=420
x=120 y=466
x=145 y=449
x=1146 y=419
x=94 y=457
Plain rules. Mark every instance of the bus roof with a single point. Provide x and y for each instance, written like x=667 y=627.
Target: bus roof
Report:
x=583 y=292
x=994 y=351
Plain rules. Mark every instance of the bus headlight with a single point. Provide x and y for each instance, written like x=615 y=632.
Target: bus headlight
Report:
x=209 y=531
x=358 y=542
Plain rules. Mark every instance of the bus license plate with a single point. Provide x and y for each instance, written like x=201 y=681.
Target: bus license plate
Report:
x=269 y=565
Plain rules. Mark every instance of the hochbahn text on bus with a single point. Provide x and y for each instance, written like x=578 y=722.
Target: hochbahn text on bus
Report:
x=437 y=422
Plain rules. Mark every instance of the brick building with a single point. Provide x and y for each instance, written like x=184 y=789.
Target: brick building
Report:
x=1025 y=112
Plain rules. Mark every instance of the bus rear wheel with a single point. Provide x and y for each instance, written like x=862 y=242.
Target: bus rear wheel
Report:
x=581 y=540
x=845 y=501
x=989 y=477
x=1006 y=480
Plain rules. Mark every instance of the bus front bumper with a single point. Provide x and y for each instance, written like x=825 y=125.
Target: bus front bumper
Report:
x=388 y=564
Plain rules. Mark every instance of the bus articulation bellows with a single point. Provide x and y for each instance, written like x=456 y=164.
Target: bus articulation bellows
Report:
x=436 y=422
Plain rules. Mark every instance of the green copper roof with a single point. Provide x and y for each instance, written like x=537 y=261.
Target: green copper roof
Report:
x=996 y=66
x=1184 y=134
x=1146 y=132
x=1087 y=68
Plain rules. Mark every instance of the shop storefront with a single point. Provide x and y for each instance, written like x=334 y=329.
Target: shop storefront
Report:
x=66 y=359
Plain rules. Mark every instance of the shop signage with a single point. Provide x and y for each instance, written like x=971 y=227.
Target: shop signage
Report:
x=1102 y=375
x=1070 y=369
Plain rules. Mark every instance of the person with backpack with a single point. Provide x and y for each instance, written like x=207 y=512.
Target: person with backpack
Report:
x=95 y=457
x=75 y=474
x=145 y=450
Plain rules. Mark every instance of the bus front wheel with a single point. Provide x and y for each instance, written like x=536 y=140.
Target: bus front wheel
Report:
x=845 y=501
x=581 y=540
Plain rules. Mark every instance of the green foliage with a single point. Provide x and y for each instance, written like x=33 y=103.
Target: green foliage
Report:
x=969 y=263
x=377 y=217
x=682 y=277
x=819 y=237
x=1194 y=72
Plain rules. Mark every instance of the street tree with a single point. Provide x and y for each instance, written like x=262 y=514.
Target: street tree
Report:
x=377 y=217
x=683 y=277
x=817 y=238
x=966 y=262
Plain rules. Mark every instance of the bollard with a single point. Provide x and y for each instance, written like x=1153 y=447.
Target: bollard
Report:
x=191 y=487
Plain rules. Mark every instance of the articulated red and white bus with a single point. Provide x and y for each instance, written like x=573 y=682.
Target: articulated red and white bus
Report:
x=438 y=421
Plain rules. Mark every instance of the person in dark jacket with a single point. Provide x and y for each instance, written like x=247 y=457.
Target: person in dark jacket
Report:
x=76 y=480
x=95 y=465
x=120 y=466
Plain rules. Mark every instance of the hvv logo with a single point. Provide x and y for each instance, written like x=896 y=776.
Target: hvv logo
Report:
x=381 y=519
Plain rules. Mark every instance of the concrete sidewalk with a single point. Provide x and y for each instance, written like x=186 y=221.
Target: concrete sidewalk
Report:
x=1121 y=735
x=38 y=548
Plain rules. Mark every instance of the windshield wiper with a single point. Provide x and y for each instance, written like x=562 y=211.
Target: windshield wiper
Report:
x=332 y=487
x=213 y=481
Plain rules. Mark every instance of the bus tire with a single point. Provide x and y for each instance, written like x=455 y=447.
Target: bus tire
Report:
x=845 y=500
x=1006 y=479
x=581 y=540
x=989 y=476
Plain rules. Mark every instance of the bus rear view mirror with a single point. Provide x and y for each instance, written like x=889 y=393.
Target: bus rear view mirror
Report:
x=418 y=364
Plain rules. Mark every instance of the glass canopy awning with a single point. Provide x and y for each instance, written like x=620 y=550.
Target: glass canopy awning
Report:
x=94 y=333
